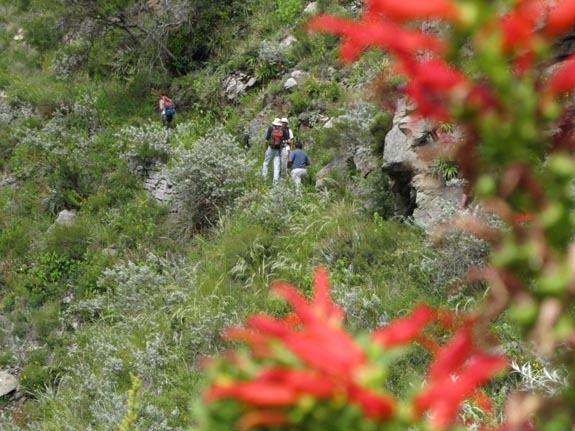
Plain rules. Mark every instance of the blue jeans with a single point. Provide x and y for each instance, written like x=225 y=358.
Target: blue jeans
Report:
x=275 y=154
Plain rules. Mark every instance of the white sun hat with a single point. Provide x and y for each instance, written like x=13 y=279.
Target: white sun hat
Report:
x=285 y=120
x=277 y=122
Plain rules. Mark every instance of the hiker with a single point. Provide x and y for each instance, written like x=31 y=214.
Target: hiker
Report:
x=275 y=138
x=298 y=162
x=167 y=109
x=287 y=147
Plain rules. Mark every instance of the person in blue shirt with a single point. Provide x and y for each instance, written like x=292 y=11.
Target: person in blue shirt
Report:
x=298 y=162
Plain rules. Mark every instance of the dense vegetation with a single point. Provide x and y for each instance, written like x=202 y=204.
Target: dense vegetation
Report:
x=131 y=288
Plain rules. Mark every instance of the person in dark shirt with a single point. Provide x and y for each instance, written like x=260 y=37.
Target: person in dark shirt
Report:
x=298 y=162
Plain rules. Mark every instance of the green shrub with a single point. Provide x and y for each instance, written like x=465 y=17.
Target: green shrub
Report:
x=37 y=374
x=45 y=321
x=138 y=221
x=445 y=169
x=208 y=177
x=379 y=128
x=69 y=241
x=300 y=102
x=42 y=32
x=289 y=10
x=143 y=147
x=15 y=238
x=45 y=278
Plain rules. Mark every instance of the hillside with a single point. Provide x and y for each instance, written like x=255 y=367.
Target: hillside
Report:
x=103 y=277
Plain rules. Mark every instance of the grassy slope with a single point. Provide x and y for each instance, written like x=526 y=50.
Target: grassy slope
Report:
x=143 y=300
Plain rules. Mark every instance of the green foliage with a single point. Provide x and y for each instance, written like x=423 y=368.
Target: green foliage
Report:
x=445 y=168
x=137 y=221
x=46 y=277
x=209 y=177
x=38 y=373
x=42 y=32
x=129 y=420
x=379 y=128
x=313 y=93
x=71 y=240
x=289 y=10
x=89 y=295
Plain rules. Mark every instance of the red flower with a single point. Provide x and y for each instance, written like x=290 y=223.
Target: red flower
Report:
x=358 y=36
x=561 y=18
x=330 y=350
x=376 y=406
x=522 y=217
x=519 y=26
x=405 y=329
x=432 y=84
x=563 y=79
x=303 y=382
x=412 y=9
x=316 y=336
x=452 y=356
x=321 y=304
x=456 y=374
x=255 y=392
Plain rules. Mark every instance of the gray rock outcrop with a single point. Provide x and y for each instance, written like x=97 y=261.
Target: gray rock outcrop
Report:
x=66 y=218
x=159 y=185
x=236 y=84
x=425 y=196
x=8 y=383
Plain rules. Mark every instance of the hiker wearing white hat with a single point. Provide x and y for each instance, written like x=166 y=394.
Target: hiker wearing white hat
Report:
x=275 y=138
x=285 y=150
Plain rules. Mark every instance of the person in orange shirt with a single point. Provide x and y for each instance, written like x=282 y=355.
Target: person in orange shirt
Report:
x=167 y=109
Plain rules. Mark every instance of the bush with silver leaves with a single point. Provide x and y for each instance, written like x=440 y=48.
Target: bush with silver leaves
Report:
x=142 y=147
x=209 y=177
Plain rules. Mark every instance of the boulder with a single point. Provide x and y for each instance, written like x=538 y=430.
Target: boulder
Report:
x=329 y=124
x=290 y=83
x=287 y=42
x=236 y=84
x=66 y=218
x=8 y=383
x=311 y=9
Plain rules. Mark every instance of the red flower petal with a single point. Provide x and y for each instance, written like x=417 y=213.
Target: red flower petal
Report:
x=518 y=27
x=302 y=381
x=256 y=393
x=413 y=9
x=375 y=406
x=403 y=330
x=268 y=325
x=563 y=79
x=452 y=356
x=444 y=396
x=358 y=36
x=322 y=296
x=324 y=348
x=561 y=18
